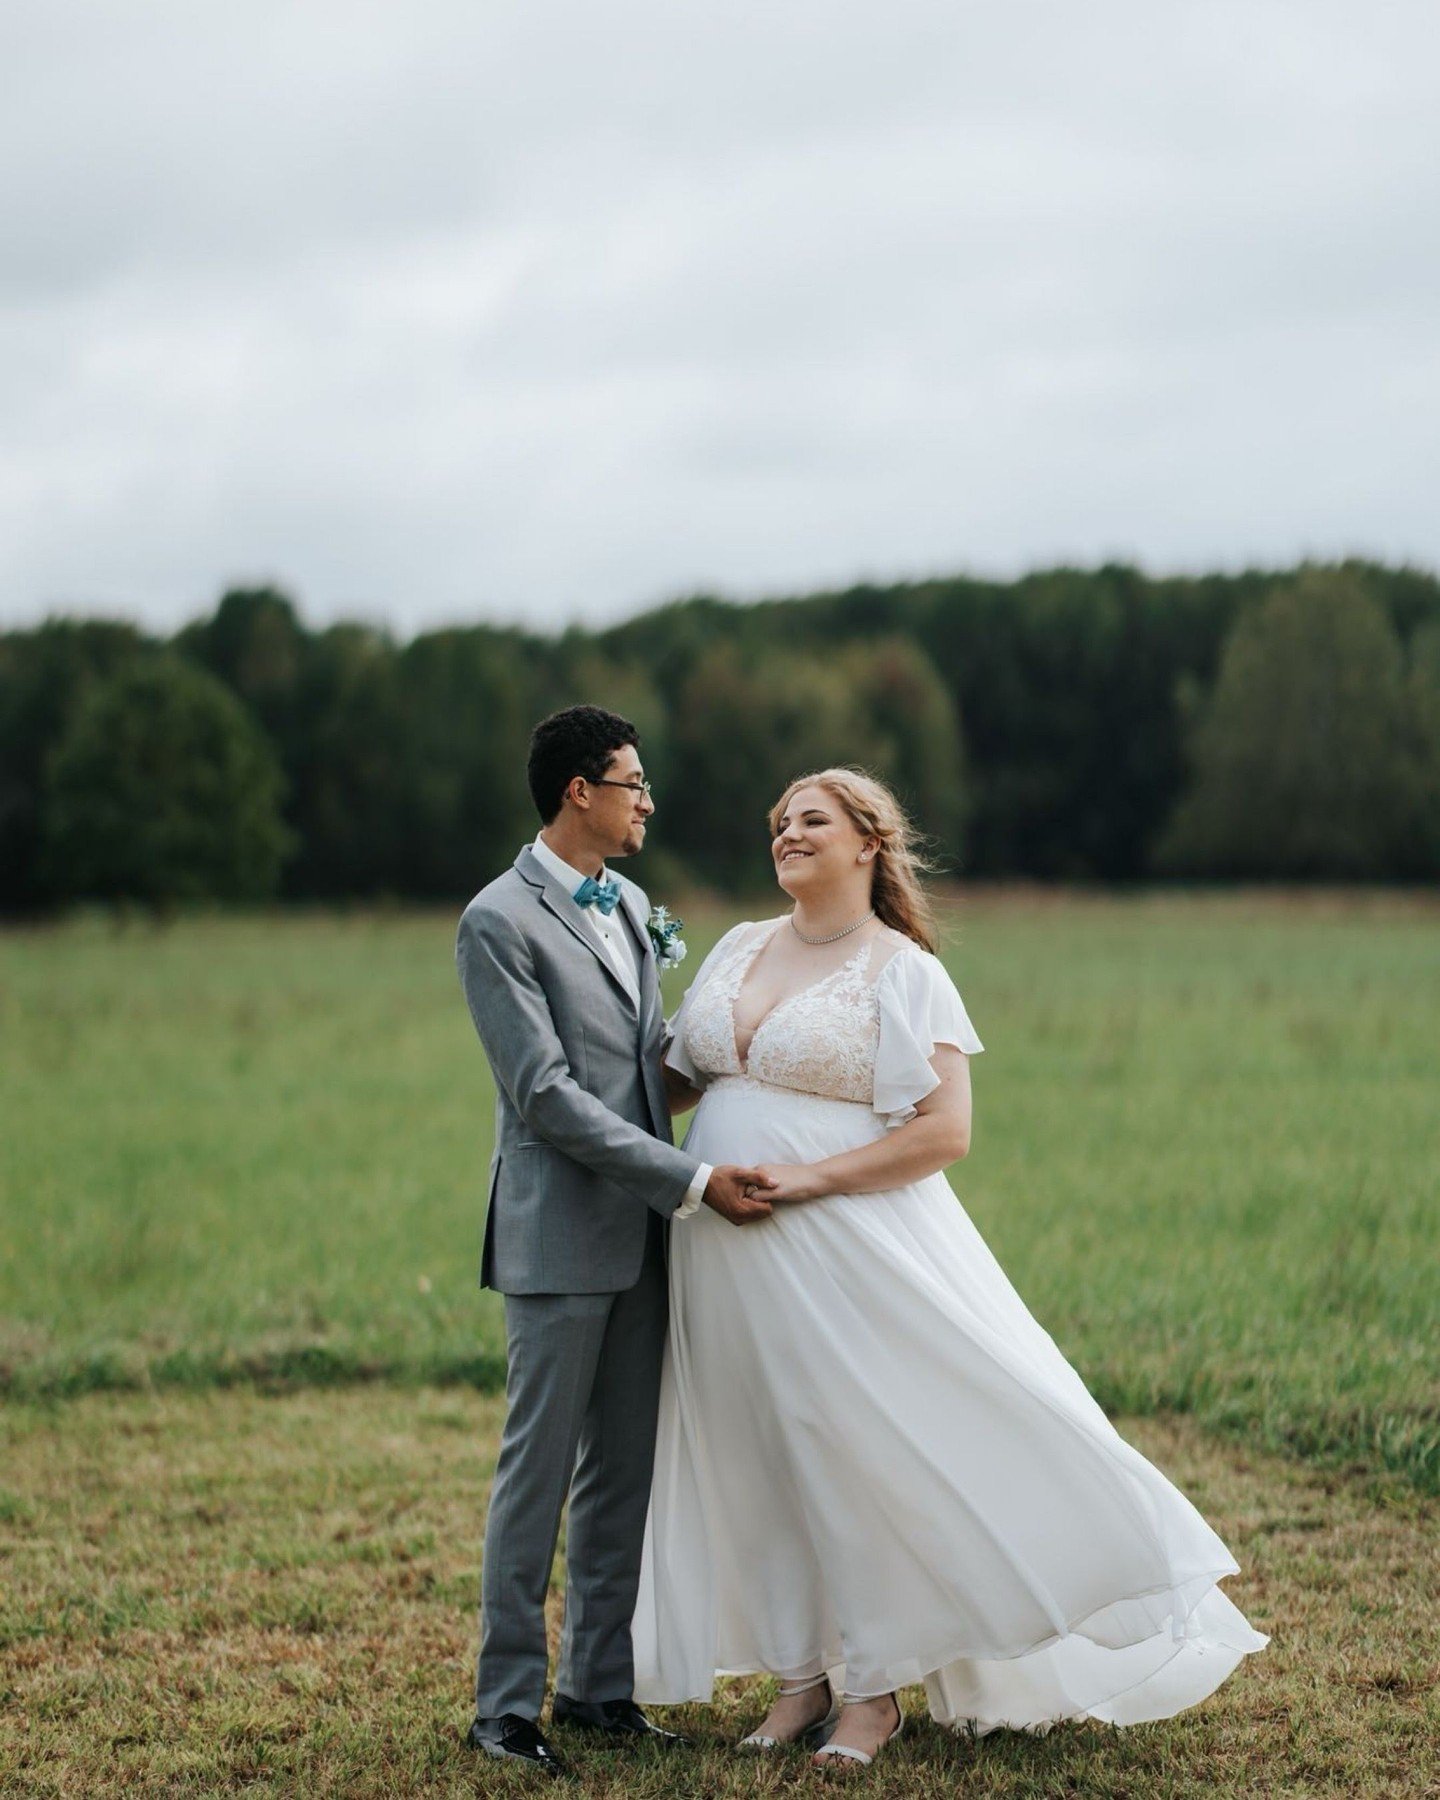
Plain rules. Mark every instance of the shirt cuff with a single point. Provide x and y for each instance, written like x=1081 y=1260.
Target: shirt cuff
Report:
x=695 y=1193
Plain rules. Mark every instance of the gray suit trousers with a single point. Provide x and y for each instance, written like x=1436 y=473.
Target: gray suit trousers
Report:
x=583 y=1391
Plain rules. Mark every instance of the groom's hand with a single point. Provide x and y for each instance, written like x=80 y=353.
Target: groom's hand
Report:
x=725 y=1192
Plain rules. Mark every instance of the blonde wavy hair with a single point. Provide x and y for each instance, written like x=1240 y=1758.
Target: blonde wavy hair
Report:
x=897 y=896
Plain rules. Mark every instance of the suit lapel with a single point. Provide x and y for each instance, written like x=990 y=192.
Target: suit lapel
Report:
x=649 y=1009
x=644 y=953
x=562 y=905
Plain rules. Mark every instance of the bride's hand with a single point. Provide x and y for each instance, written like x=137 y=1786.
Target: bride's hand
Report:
x=792 y=1182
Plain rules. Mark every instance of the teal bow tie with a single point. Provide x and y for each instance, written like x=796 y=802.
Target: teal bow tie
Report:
x=604 y=894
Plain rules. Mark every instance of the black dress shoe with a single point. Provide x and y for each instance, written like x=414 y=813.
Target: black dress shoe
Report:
x=616 y=1718
x=512 y=1736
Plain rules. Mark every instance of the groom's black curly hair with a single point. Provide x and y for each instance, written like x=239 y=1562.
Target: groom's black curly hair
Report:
x=581 y=740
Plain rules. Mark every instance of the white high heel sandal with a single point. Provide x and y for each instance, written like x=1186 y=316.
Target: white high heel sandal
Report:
x=859 y=1756
x=812 y=1734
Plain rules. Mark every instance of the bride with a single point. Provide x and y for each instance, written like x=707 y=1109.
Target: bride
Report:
x=870 y=1456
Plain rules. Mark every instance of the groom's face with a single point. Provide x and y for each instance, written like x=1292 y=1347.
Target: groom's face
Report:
x=617 y=812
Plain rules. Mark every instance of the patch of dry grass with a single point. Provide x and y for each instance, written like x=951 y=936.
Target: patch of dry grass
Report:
x=214 y=1592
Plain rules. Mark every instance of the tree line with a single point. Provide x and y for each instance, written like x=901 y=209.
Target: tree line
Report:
x=1074 y=724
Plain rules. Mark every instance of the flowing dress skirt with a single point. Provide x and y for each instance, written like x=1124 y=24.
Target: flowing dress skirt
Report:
x=871 y=1455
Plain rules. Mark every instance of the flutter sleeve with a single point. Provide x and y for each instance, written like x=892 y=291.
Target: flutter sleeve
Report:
x=676 y=1056
x=919 y=1008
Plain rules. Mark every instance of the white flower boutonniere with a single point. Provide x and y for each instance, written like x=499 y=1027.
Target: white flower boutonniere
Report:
x=665 y=938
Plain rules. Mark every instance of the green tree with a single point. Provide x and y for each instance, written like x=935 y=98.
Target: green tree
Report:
x=1302 y=767
x=465 y=700
x=255 y=643
x=1420 y=853
x=163 y=790
x=917 y=741
x=747 y=722
x=44 y=675
x=350 y=799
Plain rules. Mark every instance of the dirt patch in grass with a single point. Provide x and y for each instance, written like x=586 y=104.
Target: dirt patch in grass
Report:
x=207 y=1593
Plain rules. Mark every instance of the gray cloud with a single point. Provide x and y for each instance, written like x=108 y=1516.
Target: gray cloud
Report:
x=549 y=311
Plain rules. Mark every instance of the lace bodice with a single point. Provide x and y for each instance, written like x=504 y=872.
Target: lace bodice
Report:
x=863 y=1033
x=820 y=1040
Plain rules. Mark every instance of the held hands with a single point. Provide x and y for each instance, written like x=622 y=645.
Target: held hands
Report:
x=785 y=1184
x=738 y=1195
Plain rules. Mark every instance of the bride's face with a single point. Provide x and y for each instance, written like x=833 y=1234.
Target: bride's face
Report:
x=815 y=843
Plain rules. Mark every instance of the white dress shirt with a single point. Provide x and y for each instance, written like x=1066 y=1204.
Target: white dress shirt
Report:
x=621 y=955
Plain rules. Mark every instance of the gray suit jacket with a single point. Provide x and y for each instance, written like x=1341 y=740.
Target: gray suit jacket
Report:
x=582 y=1130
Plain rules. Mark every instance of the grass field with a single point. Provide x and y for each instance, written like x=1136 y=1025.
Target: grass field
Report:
x=244 y=1461
x=1207 y=1150
x=220 y=1592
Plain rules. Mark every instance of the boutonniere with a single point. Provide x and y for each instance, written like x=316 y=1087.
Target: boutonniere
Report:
x=665 y=938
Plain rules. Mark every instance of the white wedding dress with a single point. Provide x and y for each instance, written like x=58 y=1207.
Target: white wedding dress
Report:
x=870 y=1456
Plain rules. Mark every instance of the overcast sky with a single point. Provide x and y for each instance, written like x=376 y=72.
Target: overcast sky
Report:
x=549 y=310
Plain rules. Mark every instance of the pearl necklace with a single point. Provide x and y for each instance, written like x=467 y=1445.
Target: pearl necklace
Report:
x=835 y=937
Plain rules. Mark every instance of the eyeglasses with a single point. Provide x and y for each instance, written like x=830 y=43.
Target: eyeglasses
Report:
x=631 y=787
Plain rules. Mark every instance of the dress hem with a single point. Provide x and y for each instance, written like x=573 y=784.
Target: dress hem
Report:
x=836 y=1659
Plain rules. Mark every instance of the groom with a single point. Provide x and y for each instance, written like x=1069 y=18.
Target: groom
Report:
x=560 y=977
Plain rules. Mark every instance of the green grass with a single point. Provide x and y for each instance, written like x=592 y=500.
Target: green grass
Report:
x=1207 y=1144
x=208 y=1593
